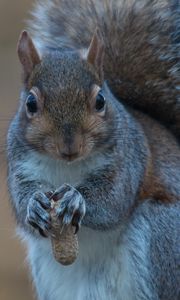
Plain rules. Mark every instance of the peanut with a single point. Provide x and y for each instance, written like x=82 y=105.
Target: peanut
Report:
x=64 y=240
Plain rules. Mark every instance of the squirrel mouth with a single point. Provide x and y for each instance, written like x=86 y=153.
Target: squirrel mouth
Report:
x=69 y=157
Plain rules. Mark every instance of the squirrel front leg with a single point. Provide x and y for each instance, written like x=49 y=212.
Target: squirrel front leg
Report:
x=31 y=203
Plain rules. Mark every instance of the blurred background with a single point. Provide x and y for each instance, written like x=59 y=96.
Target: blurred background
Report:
x=15 y=281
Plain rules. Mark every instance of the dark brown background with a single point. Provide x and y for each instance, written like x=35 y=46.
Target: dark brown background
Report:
x=15 y=282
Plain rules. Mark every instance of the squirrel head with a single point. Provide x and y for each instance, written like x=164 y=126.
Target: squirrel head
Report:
x=64 y=106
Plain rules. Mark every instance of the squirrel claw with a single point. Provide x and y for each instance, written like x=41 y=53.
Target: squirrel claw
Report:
x=77 y=228
x=71 y=207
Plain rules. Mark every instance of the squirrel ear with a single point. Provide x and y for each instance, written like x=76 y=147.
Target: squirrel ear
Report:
x=95 y=53
x=27 y=53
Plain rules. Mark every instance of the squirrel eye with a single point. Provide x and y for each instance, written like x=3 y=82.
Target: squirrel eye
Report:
x=100 y=102
x=31 y=103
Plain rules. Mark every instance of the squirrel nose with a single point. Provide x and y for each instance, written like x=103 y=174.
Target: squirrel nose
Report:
x=71 y=145
x=70 y=151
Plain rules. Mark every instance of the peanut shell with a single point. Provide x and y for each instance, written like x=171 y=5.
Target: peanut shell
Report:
x=64 y=241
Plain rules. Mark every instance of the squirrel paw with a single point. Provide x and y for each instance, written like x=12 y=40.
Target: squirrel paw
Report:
x=72 y=205
x=37 y=213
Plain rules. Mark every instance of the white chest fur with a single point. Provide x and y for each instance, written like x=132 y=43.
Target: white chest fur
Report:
x=104 y=269
x=101 y=272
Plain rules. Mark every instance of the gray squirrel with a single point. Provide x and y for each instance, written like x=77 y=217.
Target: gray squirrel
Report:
x=80 y=129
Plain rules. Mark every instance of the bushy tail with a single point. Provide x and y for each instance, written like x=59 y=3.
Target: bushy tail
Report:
x=142 y=47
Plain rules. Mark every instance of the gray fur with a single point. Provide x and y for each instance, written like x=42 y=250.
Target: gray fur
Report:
x=129 y=246
x=145 y=236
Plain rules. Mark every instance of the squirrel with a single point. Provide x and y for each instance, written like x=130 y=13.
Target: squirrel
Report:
x=98 y=121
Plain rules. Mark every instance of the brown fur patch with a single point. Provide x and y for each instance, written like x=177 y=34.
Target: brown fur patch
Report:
x=153 y=188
